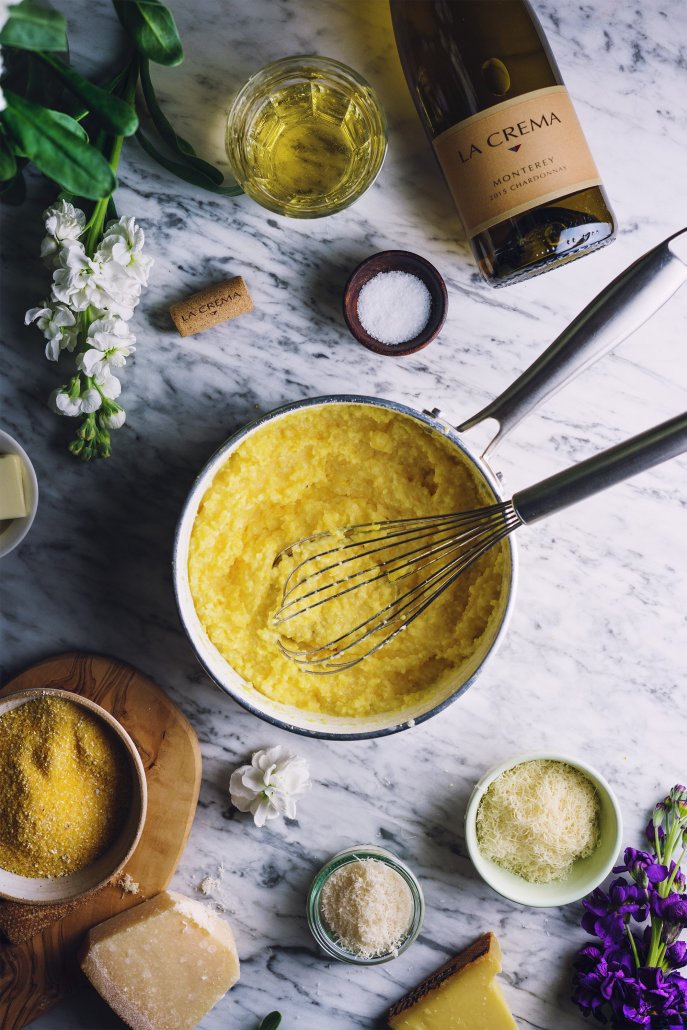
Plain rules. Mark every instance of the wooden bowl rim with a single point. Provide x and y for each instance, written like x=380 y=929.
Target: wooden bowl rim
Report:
x=396 y=261
x=140 y=796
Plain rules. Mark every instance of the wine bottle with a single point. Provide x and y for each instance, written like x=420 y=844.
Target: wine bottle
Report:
x=492 y=101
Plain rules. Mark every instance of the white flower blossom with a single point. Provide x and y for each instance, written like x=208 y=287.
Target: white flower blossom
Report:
x=270 y=785
x=123 y=243
x=91 y=400
x=63 y=222
x=109 y=345
x=120 y=292
x=108 y=384
x=58 y=325
x=106 y=287
x=82 y=282
x=115 y=420
x=63 y=404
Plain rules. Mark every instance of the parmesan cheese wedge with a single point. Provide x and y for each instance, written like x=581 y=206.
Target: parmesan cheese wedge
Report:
x=461 y=995
x=163 y=964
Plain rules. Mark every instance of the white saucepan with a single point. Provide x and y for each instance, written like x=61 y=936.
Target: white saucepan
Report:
x=623 y=306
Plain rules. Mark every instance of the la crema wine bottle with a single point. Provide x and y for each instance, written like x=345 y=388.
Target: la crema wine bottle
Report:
x=502 y=125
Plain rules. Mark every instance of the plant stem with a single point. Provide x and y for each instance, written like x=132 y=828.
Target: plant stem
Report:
x=633 y=946
x=654 y=947
x=129 y=78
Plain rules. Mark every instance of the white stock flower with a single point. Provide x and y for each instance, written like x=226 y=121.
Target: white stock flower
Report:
x=119 y=292
x=108 y=384
x=90 y=400
x=72 y=281
x=63 y=222
x=63 y=404
x=115 y=420
x=270 y=785
x=110 y=343
x=58 y=325
x=83 y=282
x=123 y=243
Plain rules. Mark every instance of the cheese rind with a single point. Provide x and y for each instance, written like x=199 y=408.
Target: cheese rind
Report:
x=12 y=499
x=461 y=995
x=163 y=964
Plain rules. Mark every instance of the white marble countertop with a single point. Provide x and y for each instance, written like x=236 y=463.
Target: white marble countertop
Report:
x=594 y=664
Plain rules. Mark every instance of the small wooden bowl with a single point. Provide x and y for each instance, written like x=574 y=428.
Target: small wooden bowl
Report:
x=396 y=261
x=50 y=890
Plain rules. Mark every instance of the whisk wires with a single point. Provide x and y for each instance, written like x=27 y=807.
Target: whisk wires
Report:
x=424 y=555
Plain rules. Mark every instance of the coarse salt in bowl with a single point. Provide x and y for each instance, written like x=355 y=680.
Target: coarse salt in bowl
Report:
x=395 y=303
x=394 y=307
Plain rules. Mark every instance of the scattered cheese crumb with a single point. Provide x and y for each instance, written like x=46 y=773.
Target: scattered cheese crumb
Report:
x=538 y=818
x=127 y=884
x=210 y=883
x=368 y=907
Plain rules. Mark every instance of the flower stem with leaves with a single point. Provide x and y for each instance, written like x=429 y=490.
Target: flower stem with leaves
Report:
x=97 y=260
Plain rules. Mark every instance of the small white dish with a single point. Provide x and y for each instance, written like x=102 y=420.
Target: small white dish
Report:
x=585 y=875
x=14 y=533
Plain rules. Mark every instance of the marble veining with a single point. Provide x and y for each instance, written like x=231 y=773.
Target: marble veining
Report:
x=594 y=662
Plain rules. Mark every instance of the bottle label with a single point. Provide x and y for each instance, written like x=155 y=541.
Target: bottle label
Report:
x=526 y=151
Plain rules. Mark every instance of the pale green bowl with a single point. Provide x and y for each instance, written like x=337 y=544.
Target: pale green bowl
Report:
x=585 y=874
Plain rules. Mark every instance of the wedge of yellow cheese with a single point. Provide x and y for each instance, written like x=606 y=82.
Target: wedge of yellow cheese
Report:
x=462 y=995
x=163 y=964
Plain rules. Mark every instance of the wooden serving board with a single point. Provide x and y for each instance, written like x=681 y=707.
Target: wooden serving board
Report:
x=35 y=975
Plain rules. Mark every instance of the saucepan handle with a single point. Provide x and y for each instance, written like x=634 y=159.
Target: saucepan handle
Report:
x=624 y=305
x=603 y=470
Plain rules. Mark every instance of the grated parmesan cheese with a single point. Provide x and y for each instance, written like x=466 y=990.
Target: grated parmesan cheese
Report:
x=538 y=818
x=367 y=906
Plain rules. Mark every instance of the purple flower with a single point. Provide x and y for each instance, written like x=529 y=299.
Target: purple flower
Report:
x=650 y=1000
x=600 y=974
x=629 y=977
x=642 y=866
x=672 y=909
x=676 y=955
x=608 y=914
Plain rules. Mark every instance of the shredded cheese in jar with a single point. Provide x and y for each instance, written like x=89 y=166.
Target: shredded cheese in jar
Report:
x=368 y=907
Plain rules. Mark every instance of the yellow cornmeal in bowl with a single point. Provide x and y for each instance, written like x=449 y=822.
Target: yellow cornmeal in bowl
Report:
x=65 y=787
x=318 y=469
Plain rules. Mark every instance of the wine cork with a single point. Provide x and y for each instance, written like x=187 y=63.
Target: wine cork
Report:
x=211 y=306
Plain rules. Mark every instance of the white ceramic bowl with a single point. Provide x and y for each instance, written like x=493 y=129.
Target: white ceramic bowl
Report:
x=585 y=875
x=49 y=890
x=15 y=532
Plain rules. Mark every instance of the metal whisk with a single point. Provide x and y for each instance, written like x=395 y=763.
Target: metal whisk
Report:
x=426 y=555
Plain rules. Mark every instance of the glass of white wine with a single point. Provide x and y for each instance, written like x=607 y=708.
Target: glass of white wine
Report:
x=306 y=136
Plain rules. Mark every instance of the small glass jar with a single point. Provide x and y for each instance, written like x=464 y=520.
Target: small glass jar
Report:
x=318 y=926
x=306 y=136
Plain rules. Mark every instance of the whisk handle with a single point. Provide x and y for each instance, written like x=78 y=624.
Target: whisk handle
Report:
x=603 y=470
x=615 y=313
